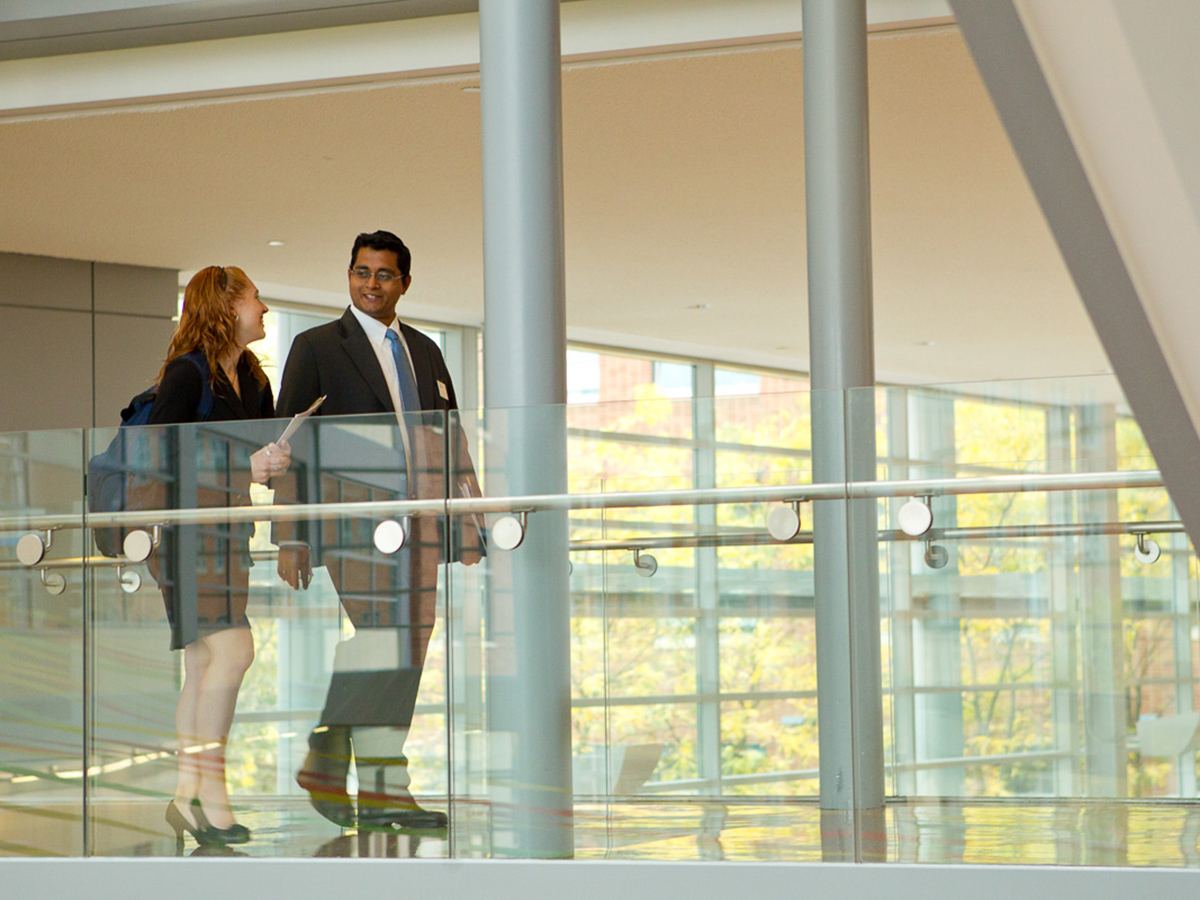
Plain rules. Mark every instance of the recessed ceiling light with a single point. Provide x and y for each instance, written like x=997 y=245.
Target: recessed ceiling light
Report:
x=471 y=89
x=700 y=306
x=274 y=243
x=924 y=343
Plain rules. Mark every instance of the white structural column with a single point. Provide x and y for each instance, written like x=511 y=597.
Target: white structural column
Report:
x=526 y=390
x=841 y=340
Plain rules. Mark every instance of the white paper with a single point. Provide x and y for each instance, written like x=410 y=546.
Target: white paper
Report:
x=299 y=418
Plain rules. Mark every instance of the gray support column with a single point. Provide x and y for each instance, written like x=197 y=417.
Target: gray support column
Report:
x=525 y=350
x=841 y=344
x=526 y=387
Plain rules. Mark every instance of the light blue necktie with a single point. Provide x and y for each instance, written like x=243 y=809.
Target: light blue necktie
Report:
x=409 y=398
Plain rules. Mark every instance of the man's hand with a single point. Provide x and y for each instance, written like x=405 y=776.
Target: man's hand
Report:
x=295 y=565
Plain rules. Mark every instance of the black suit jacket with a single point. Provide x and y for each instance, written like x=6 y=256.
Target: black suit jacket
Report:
x=336 y=360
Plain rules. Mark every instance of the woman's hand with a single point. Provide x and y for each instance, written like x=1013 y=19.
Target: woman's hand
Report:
x=270 y=460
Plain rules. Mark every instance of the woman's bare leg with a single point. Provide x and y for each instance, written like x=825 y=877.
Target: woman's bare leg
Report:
x=231 y=652
x=196 y=657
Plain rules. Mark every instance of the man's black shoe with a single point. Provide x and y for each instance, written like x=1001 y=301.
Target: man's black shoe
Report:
x=412 y=818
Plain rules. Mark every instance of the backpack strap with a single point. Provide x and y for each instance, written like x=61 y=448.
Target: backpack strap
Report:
x=207 y=399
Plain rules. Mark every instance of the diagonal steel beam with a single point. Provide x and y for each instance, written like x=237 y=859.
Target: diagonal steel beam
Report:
x=1009 y=67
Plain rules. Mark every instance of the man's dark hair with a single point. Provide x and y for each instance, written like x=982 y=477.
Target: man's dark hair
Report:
x=383 y=240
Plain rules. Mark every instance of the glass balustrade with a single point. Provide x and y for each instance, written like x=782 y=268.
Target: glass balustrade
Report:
x=42 y=650
x=1040 y=644
x=631 y=669
x=341 y=712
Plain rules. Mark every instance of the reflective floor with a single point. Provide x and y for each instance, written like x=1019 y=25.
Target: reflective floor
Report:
x=1164 y=833
x=1098 y=834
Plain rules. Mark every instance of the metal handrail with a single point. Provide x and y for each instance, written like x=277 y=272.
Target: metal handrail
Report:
x=754 y=539
x=973 y=533
x=464 y=506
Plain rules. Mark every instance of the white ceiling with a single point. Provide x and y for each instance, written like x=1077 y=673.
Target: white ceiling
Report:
x=684 y=186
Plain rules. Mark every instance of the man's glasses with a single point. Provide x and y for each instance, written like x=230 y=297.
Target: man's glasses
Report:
x=383 y=276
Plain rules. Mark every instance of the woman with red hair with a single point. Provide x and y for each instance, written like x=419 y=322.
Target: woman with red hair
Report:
x=221 y=315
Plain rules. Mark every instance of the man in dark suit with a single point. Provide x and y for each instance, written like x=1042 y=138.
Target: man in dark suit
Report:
x=370 y=362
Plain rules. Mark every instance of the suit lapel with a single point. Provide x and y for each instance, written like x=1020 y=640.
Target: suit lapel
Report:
x=358 y=347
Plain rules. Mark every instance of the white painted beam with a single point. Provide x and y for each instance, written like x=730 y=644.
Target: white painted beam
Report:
x=379 y=52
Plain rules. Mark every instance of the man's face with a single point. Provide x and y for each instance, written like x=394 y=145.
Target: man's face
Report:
x=377 y=293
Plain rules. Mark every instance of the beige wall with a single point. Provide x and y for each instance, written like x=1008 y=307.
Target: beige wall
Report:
x=78 y=339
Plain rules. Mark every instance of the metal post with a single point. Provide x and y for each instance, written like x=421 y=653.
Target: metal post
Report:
x=525 y=384
x=1180 y=560
x=841 y=344
x=903 y=619
x=708 y=622
x=88 y=681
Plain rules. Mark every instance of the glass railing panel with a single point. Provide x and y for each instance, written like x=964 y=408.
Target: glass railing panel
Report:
x=652 y=627
x=1039 y=653
x=511 y=664
x=469 y=649
x=767 y=652
x=335 y=695
x=1036 y=665
x=656 y=602
x=1191 y=659
x=42 y=646
x=1030 y=649
x=668 y=632
x=659 y=634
